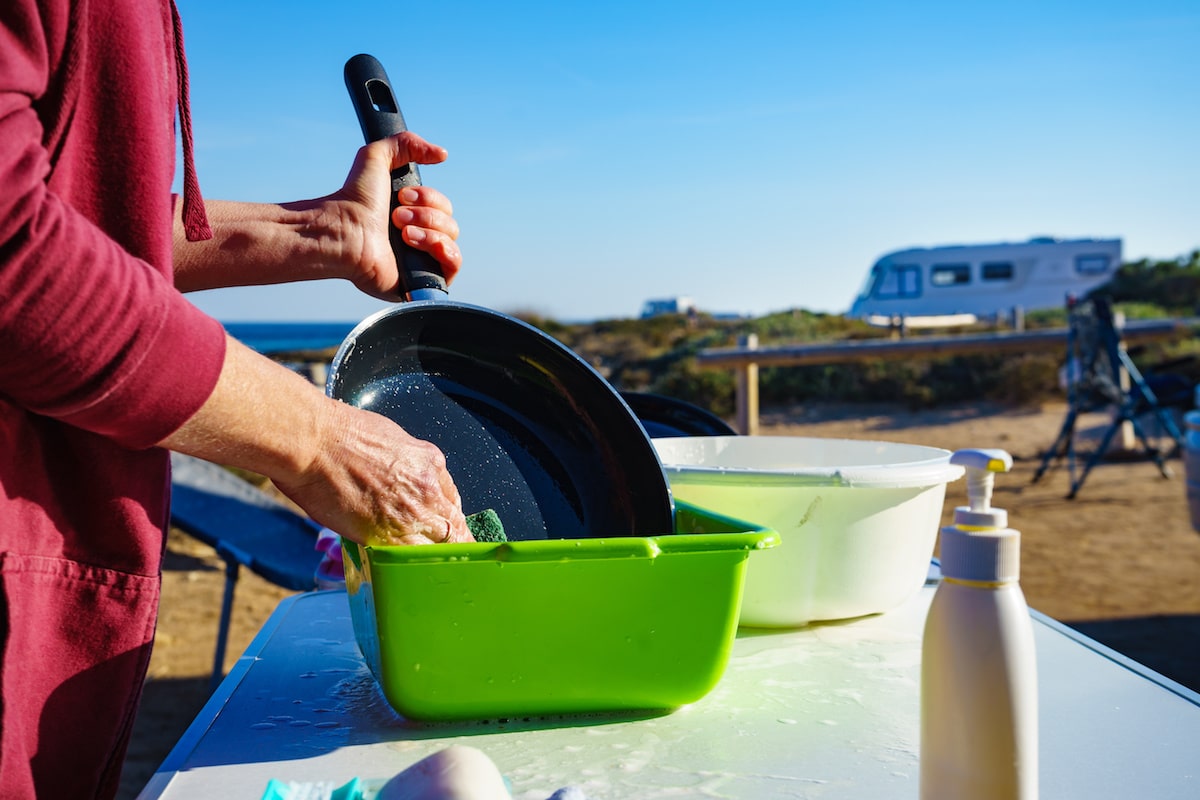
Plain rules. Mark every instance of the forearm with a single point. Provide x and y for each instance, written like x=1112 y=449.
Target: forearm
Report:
x=341 y=235
x=259 y=243
x=353 y=471
x=260 y=416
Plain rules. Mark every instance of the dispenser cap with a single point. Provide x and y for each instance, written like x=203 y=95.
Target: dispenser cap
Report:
x=981 y=467
x=980 y=546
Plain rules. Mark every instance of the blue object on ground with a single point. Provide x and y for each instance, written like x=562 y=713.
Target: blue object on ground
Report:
x=247 y=527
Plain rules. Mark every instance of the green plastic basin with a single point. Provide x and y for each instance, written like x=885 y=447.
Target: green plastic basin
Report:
x=558 y=626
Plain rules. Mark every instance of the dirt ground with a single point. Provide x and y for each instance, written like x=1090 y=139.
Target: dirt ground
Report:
x=1120 y=562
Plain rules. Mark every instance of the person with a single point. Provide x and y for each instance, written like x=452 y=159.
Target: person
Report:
x=105 y=366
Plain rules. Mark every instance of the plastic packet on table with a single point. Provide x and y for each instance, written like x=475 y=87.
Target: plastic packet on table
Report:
x=319 y=790
x=330 y=573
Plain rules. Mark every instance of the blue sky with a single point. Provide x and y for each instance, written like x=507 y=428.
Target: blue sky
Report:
x=754 y=156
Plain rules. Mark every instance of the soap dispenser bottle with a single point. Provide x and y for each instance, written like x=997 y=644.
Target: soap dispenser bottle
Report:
x=979 y=710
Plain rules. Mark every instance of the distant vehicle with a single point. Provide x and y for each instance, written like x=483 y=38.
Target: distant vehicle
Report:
x=669 y=305
x=959 y=284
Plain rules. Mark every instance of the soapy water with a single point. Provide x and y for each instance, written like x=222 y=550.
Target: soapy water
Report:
x=602 y=766
x=359 y=697
x=809 y=689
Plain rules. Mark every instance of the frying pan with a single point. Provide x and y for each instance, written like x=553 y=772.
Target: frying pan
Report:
x=664 y=417
x=527 y=426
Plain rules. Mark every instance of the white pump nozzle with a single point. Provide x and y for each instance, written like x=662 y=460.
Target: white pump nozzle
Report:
x=981 y=467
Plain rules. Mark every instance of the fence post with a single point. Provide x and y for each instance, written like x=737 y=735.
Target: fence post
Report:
x=747 y=389
x=318 y=371
x=1126 y=437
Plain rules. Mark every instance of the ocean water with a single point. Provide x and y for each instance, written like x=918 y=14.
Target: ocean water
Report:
x=281 y=337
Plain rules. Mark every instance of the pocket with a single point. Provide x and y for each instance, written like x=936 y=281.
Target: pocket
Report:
x=76 y=646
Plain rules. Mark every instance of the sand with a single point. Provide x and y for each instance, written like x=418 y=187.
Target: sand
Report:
x=1120 y=562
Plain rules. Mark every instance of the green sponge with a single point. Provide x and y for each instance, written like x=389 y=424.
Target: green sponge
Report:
x=485 y=526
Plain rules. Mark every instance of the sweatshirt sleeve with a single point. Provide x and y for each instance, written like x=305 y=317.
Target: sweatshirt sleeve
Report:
x=89 y=334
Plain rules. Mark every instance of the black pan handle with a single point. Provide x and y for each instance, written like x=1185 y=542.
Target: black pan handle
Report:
x=421 y=276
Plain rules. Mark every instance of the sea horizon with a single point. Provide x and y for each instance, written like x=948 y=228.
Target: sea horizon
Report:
x=283 y=337
x=268 y=337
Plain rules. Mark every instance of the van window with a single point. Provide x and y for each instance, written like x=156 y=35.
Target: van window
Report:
x=1092 y=265
x=997 y=271
x=900 y=280
x=950 y=274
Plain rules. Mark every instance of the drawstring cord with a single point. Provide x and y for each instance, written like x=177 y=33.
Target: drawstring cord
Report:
x=195 y=221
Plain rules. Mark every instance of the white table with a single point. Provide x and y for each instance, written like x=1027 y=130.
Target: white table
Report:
x=827 y=711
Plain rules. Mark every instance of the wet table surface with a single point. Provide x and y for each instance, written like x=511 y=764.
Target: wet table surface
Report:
x=830 y=710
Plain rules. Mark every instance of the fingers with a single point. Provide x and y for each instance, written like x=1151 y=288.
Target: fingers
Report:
x=426 y=222
x=438 y=245
x=427 y=208
x=373 y=483
x=424 y=494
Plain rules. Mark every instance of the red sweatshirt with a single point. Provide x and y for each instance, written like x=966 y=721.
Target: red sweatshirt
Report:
x=100 y=357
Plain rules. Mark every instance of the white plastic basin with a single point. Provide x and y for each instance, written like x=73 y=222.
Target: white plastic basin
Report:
x=858 y=519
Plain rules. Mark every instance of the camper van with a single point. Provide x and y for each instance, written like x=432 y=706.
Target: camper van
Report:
x=668 y=305
x=962 y=283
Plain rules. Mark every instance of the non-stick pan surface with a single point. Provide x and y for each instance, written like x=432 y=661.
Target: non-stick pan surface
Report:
x=528 y=427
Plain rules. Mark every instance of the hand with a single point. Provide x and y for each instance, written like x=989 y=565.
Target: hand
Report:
x=373 y=483
x=425 y=215
x=342 y=235
x=353 y=471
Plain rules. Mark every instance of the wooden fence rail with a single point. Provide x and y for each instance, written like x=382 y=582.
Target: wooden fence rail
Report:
x=747 y=357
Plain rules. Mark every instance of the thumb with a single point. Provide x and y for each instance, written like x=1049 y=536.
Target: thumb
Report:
x=408 y=146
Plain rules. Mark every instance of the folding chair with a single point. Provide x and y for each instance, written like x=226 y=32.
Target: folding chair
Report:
x=247 y=527
x=1101 y=376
